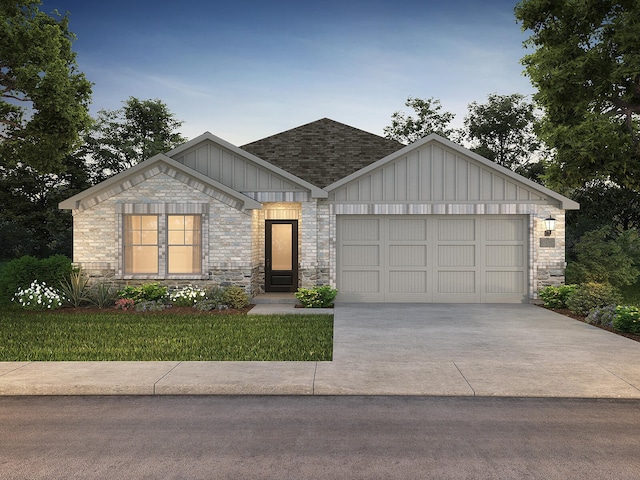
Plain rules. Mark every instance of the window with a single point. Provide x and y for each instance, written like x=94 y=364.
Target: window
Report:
x=141 y=244
x=183 y=244
x=162 y=244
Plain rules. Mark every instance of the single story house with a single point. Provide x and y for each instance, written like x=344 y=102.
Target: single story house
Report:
x=326 y=203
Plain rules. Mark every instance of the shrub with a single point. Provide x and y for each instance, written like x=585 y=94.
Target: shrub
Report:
x=150 y=306
x=38 y=296
x=150 y=292
x=208 y=305
x=316 y=297
x=215 y=294
x=187 y=296
x=75 y=288
x=606 y=256
x=102 y=295
x=125 y=304
x=627 y=319
x=21 y=272
x=235 y=297
x=556 y=296
x=592 y=295
x=602 y=316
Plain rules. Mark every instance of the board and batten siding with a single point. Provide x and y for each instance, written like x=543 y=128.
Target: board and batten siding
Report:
x=434 y=174
x=233 y=170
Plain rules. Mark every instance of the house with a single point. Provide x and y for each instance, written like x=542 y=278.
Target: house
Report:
x=326 y=203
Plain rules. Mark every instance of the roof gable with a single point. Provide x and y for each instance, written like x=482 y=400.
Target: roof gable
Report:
x=324 y=151
x=238 y=169
x=151 y=167
x=435 y=169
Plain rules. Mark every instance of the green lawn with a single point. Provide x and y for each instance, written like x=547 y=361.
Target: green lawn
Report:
x=59 y=336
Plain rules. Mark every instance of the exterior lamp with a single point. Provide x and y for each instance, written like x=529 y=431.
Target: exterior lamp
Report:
x=550 y=225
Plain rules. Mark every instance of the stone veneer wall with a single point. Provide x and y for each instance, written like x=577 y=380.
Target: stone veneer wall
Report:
x=546 y=253
x=228 y=258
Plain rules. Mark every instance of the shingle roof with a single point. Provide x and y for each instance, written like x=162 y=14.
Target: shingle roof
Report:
x=322 y=152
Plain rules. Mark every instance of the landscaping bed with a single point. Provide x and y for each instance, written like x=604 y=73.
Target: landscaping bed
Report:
x=567 y=313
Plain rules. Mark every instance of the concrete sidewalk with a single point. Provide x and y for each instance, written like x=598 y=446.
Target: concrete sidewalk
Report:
x=382 y=349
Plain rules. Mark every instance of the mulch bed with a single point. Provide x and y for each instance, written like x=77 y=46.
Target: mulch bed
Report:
x=569 y=314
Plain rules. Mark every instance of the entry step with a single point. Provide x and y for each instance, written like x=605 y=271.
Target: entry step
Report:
x=282 y=298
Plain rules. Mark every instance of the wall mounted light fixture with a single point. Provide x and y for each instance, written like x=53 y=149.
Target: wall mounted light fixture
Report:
x=550 y=225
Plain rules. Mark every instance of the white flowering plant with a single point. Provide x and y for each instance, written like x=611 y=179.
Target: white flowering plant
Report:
x=187 y=296
x=38 y=296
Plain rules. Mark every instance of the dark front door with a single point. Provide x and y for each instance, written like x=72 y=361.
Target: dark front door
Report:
x=281 y=255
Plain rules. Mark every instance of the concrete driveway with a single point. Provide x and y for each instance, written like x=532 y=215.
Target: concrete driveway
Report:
x=385 y=349
x=472 y=349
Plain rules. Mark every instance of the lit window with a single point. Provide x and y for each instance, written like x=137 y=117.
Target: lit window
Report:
x=184 y=250
x=141 y=244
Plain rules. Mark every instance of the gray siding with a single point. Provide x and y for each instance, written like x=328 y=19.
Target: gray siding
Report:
x=232 y=170
x=434 y=174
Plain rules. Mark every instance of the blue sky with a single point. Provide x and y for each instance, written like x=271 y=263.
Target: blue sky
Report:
x=247 y=69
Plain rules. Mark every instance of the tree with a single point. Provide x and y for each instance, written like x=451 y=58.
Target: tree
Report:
x=429 y=119
x=44 y=99
x=30 y=221
x=586 y=67
x=119 y=139
x=501 y=130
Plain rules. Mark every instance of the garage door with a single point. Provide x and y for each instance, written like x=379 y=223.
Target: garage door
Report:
x=430 y=258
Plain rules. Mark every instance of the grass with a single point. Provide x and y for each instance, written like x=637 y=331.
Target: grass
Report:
x=58 y=336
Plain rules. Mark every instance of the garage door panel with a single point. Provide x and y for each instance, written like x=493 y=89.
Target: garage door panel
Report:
x=504 y=282
x=456 y=255
x=360 y=281
x=457 y=282
x=408 y=229
x=504 y=256
x=361 y=229
x=456 y=229
x=510 y=229
x=407 y=281
x=407 y=255
x=361 y=256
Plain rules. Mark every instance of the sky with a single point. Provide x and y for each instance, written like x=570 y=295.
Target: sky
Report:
x=247 y=69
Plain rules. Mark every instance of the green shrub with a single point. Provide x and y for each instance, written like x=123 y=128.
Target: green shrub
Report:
x=606 y=256
x=150 y=306
x=75 y=289
x=627 y=319
x=602 y=316
x=21 y=272
x=215 y=294
x=150 y=292
x=592 y=295
x=208 y=305
x=556 y=296
x=316 y=297
x=102 y=295
x=235 y=297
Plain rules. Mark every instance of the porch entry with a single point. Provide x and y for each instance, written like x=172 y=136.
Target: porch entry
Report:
x=281 y=255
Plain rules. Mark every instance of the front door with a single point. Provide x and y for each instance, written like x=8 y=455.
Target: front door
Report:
x=281 y=255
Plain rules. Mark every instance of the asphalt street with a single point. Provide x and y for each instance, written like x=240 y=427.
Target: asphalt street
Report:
x=280 y=437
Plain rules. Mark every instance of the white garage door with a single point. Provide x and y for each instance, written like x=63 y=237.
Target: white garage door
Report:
x=432 y=258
